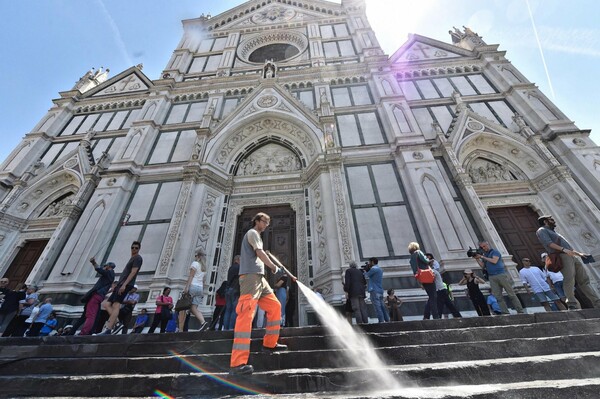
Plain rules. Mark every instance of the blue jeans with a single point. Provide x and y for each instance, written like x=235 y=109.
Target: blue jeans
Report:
x=377 y=301
x=231 y=301
x=558 y=286
x=281 y=294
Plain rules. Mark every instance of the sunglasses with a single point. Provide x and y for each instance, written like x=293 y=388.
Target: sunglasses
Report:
x=135 y=247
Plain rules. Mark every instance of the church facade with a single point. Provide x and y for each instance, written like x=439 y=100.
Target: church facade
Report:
x=292 y=108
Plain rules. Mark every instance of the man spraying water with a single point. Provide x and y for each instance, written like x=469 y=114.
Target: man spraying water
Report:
x=255 y=291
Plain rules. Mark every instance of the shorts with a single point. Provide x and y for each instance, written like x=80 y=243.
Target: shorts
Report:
x=115 y=297
x=546 y=296
x=197 y=294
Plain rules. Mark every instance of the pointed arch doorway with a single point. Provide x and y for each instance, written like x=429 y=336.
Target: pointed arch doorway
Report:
x=280 y=239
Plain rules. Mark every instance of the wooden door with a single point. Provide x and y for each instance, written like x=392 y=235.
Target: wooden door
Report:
x=23 y=263
x=280 y=239
x=517 y=226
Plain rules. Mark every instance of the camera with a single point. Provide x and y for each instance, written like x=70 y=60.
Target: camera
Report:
x=472 y=252
x=366 y=267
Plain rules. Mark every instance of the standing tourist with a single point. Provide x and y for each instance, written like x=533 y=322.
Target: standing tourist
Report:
x=162 y=314
x=124 y=285
x=375 y=287
x=96 y=294
x=491 y=260
x=355 y=286
x=477 y=298
x=232 y=295
x=418 y=260
x=195 y=287
x=573 y=270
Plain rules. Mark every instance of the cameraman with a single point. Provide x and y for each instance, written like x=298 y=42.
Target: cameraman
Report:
x=374 y=276
x=491 y=260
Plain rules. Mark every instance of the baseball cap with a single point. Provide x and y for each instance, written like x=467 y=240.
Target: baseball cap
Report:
x=544 y=255
x=542 y=219
x=468 y=271
x=135 y=286
x=110 y=264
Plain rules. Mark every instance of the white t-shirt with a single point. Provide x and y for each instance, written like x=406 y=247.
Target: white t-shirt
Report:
x=535 y=278
x=199 y=275
x=555 y=277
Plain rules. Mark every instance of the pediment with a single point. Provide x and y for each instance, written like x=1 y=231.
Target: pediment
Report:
x=255 y=15
x=269 y=99
x=468 y=123
x=419 y=49
x=129 y=81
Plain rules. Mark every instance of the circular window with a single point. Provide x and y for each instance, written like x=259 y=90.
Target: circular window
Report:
x=276 y=46
x=275 y=52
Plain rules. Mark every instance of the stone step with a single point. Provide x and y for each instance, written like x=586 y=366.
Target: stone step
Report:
x=135 y=345
x=518 y=374
x=324 y=358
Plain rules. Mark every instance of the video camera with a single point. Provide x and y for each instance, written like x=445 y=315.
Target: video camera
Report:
x=366 y=267
x=472 y=252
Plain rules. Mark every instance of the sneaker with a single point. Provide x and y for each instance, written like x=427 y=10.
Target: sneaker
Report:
x=275 y=349
x=117 y=329
x=573 y=307
x=241 y=370
x=108 y=331
x=204 y=326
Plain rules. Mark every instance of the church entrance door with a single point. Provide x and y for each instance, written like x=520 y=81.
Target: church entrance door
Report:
x=280 y=239
x=517 y=226
x=23 y=263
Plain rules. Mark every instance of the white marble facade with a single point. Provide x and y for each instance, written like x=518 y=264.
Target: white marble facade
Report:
x=373 y=151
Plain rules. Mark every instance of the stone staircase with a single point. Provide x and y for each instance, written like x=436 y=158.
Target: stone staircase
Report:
x=542 y=355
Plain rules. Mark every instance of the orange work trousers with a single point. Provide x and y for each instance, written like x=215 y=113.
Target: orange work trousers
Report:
x=246 y=309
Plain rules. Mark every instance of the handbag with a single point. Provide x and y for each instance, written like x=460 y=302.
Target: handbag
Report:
x=553 y=261
x=424 y=276
x=184 y=302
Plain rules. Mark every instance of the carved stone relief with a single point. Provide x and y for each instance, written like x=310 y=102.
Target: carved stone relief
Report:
x=342 y=218
x=268 y=159
x=262 y=127
x=579 y=142
x=484 y=171
x=206 y=220
x=57 y=209
x=319 y=227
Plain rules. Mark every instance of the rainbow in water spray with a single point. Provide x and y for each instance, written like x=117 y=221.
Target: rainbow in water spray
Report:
x=224 y=381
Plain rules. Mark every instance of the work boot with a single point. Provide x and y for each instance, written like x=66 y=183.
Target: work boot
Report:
x=275 y=349
x=241 y=370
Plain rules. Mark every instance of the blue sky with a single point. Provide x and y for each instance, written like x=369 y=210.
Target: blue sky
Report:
x=46 y=46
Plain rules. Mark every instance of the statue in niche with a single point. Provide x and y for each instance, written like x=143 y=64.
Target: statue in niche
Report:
x=269 y=70
x=269 y=159
x=482 y=171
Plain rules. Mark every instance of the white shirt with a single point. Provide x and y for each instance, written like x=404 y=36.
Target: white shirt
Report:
x=555 y=277
x=199 y=275
x=535 y=278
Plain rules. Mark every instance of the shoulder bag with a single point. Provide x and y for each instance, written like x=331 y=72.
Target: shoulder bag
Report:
x=553 y=261
x=424 y=276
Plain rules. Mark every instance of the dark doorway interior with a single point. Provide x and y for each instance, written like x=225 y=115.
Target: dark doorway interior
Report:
x=280 y=239
x=517 y=226
x=23 y=263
